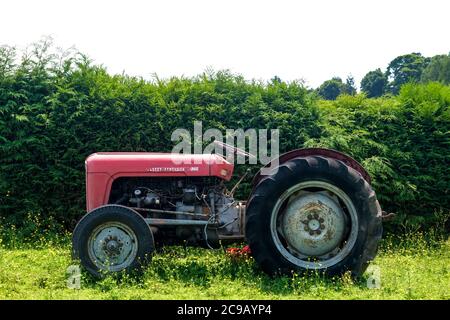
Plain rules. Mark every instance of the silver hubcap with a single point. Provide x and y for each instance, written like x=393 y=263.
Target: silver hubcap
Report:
x=112 y=246
x=314 y=225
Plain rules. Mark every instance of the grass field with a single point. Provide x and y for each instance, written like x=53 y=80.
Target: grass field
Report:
x=412 y=268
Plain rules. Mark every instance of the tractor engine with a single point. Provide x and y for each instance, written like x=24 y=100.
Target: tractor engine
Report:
x=200 y=209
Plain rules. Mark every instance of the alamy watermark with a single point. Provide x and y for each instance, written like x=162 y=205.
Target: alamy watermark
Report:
x=73 y=280
x=235 y=146
x=374 y=279
x=74 y=277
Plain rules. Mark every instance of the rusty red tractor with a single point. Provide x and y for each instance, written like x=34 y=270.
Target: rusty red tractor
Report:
x=316 y=211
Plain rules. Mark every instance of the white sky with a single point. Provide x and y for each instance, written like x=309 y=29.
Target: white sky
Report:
x=313 y=40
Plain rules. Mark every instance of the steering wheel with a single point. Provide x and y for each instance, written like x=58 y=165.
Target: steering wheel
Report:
x=234 y=149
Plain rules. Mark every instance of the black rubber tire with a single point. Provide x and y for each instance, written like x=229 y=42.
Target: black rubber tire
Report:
x=111 y=213
x=294 y=171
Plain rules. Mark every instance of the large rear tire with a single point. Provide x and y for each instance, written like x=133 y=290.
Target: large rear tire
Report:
x=112 y=239
x=314 y=213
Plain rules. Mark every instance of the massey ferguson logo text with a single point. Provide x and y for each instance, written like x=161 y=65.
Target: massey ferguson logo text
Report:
x=173 y=169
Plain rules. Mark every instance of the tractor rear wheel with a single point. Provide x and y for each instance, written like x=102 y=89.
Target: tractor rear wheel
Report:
x=111 y=239
x=314 y=213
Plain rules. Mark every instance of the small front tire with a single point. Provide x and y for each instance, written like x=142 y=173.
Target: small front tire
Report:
x=112 y=239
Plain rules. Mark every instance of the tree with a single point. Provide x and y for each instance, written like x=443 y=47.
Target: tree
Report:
x=438 y=69
x=404 y=69
x=331 y=89
x=374 y=83
x=334 y=87
x=349 y=87
x=276 y=79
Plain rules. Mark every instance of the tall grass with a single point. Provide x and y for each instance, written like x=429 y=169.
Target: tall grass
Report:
x=411 y=267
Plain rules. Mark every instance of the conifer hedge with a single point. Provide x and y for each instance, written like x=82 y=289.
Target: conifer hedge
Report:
x=56 y=109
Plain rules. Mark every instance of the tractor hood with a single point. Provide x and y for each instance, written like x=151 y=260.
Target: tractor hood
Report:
x=117 y=164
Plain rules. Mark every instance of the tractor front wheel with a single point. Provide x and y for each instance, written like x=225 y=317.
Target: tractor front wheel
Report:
x=111 y=239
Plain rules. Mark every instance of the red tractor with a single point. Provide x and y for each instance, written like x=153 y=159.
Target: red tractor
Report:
x=316 y=211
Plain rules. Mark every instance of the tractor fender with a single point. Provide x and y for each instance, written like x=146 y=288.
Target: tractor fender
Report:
x=330 y=153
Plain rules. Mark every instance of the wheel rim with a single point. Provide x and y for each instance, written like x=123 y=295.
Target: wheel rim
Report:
x=112 y=246
x=314 y=225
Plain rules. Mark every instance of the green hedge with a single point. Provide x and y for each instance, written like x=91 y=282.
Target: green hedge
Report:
x=404 y=143
x=55 y=112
